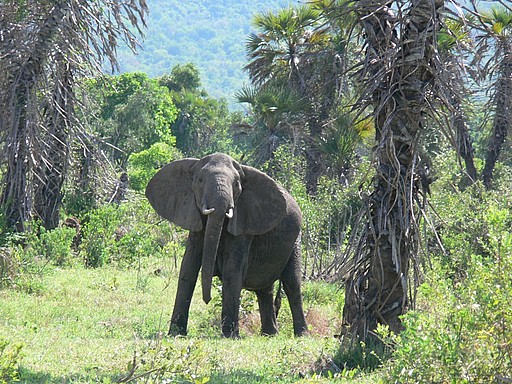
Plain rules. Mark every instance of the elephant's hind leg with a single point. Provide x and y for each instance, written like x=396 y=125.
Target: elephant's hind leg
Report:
x=267 y=311
x=291 y=279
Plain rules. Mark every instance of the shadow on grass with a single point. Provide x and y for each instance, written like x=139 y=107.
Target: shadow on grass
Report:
x=231 y=377
x=244 y=377
x=94 y=376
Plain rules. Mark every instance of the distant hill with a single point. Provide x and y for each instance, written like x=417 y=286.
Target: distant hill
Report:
x=211 y=34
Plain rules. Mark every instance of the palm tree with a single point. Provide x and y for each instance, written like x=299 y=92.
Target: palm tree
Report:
x=338 y=145
x=282 y=46
x=46 y=47
x=292 y=48
x=453 y=40
x=398 y=73
x=495 y=37
x=276 y=109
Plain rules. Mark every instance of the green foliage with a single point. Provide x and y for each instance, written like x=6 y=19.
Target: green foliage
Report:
x=135 y=111
x=144 y=164
x=99 y=234
x=363 y=357
x=203 y=124
x=182 y=78
x=327 y=217
x=10 y=358
x=466 y=336
x=55 y=245
x=77 y=202
x=341 y=138
x=462 y=329
x=123 y=234
x=25 y=257
x=274 y=110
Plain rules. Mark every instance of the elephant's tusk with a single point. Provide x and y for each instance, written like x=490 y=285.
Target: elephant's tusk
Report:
x=205 y=211
x=229 y=213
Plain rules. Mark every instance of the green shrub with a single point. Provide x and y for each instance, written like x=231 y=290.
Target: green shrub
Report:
x=124 y=234
x=23 y=261
x=465 y=333
x=10 y=357
x=461 y=331
x=55 y=245
x=326 y=218
x=143 y=165
x=99 y=234
x=77 y=202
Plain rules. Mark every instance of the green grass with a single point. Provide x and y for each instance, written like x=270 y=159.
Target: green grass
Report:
x=82 y=325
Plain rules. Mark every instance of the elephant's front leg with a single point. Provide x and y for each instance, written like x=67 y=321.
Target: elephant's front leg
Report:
x=234 y=270
x=187 y=281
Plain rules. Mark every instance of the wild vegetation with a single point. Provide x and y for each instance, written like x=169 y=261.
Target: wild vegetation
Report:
x=389 y=126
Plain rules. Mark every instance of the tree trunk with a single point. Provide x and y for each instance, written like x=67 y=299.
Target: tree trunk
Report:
x=399 y=74
x=463 y=139
x=22 y=140
x=52 y=171
x=502 y=117
x=15 y=200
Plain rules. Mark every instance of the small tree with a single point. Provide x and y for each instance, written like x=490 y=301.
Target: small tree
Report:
x=292 y=50
x=136 y=113
x=46 y=46
x=143 y=165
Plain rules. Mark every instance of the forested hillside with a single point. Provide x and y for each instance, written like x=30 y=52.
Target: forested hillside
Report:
x=210 y=34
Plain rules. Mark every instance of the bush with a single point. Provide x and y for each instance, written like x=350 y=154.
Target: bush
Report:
x=10 y=357
x=465 y=335
x=55 y=245
x=99 y=234
x=462 y=329
x=24 y=258
x=124 y=234
x=326 y=217
x=143 y=165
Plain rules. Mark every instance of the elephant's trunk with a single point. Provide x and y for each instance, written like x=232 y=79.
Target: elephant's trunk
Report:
x=211 y=245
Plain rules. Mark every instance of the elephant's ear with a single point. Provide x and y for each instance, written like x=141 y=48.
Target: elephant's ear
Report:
x=260 y=206
x=170 y=193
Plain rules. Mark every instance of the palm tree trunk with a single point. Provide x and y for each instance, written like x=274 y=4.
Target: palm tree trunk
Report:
x=52 y=172
x=399 y=75
x=502 y=116
x=463 y=139
x=20 y=121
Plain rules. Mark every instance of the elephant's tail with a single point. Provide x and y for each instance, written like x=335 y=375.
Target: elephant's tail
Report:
x=277 y=301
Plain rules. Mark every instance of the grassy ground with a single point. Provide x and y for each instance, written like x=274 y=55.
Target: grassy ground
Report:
x=89 y=325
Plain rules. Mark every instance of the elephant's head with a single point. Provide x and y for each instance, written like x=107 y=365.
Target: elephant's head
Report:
x=191 y=192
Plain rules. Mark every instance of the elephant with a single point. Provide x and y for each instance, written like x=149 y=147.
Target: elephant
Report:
x=243 y=227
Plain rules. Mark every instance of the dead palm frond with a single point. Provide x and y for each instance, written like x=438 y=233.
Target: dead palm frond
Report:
x=45 y=48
